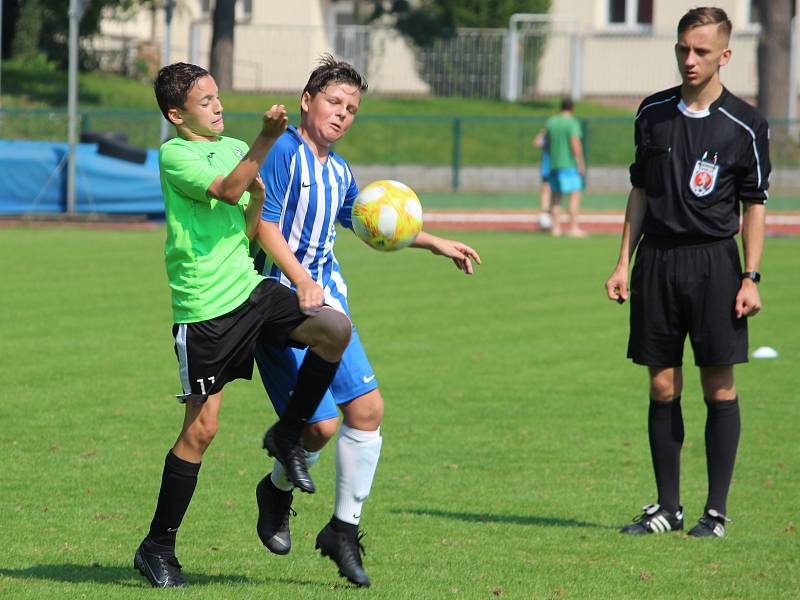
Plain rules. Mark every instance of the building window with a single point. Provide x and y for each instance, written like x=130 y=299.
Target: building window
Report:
x=630 y=14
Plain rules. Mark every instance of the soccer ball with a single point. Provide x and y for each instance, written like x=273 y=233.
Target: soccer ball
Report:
x=387 y=215
x=545 y=221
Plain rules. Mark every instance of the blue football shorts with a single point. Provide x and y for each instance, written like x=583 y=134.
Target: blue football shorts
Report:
x=279 y=365
x=564 y=181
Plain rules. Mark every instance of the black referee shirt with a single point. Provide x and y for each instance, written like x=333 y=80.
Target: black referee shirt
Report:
x=695 y=167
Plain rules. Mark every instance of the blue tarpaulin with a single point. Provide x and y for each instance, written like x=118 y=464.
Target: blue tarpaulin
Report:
x=33 y=178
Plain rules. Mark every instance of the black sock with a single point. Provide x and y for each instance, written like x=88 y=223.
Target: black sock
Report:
x=340 y=526
x=665 y=428
x=177 y=486
x=313 y=378
x=723 y=425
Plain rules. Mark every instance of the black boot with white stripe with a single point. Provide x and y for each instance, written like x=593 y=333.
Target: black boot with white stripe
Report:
x=711 y=524
x=655 y=519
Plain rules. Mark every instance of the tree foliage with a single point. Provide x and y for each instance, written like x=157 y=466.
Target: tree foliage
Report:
x=42 y=26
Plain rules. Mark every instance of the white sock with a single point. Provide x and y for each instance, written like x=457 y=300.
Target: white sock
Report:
x=278 y=475
x=357 y=454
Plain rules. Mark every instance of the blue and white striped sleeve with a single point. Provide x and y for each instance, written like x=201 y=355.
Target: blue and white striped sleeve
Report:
x=345 y=214
x=276 y=173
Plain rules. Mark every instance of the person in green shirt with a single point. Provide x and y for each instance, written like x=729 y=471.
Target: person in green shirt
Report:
x=213 y=199
x=567 y=166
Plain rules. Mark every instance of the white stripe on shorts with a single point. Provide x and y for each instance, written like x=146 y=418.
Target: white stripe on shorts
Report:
x=183 y=358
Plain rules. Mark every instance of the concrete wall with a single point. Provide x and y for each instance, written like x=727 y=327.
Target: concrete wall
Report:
x=634 y=62
x=274 y=48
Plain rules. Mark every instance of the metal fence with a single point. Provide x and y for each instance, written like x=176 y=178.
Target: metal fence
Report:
x=451 y=152
x=471 y=63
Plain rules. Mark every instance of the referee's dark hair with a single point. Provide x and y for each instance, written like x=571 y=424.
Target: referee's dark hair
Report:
x=332 y=70
x=567 y=104
x=705 y=15
x=173 y=83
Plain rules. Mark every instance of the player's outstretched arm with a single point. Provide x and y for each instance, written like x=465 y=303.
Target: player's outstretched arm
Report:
x=748 y=300
x=461 y=254
x=309 y=293
x=229 y=189
x=617 y=284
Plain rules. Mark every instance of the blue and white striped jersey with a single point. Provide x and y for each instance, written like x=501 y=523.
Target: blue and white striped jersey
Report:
x=306 y=198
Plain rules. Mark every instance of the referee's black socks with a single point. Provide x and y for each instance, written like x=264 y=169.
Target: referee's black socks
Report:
x=313 y=379
x=665 y=429
x=723 y=426
x=177 y=486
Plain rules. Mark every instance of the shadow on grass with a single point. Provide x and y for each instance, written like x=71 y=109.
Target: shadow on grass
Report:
x=129 y=577
x=487 y=518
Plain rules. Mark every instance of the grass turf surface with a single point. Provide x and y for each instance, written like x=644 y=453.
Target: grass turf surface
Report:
x=515 y=433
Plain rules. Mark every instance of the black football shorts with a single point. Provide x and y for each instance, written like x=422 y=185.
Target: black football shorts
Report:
x=688 y=289
x=211 y=353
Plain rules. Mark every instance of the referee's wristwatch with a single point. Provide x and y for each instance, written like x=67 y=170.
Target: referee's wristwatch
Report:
x=754 y=275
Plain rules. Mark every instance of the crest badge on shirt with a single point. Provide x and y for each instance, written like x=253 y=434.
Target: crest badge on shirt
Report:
x=704 y=176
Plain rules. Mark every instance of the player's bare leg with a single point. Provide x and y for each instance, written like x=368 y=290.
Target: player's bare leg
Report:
x=555 y=208
x=200 y=422
x=574 y=207
x=665 y=383
x=545 y=216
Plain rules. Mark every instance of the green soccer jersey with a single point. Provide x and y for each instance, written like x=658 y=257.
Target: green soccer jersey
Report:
x=560 y=129
x=207 y=252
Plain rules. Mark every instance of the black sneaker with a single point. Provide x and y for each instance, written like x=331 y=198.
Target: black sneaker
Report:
x=161 y=570
x=711 y=524
x=274 y=507
x=655 y=519
x=345 y=550
x=291 y=455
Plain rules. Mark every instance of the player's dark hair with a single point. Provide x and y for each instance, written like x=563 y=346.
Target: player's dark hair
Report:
x=705 y=15
x=567 y=104
x=173 y=83
x=332 y=70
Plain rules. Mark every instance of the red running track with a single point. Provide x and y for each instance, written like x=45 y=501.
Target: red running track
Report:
x=594 y=222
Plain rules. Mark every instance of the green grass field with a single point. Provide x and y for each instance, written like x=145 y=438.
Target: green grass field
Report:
x=389 y=130
x=515 y=433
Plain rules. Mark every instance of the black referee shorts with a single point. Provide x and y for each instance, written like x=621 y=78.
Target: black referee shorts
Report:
x=686 y=289
x=211 y=353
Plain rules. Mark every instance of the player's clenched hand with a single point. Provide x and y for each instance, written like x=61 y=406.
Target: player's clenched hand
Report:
x=617 y=284
x=310 y=296
x=274 y=121
x=748 y=300
x=256 y=188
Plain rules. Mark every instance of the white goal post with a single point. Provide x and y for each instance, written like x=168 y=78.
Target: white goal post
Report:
x=512 y=65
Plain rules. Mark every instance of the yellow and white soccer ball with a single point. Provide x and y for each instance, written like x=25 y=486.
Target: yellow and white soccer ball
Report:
x=387 y=215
